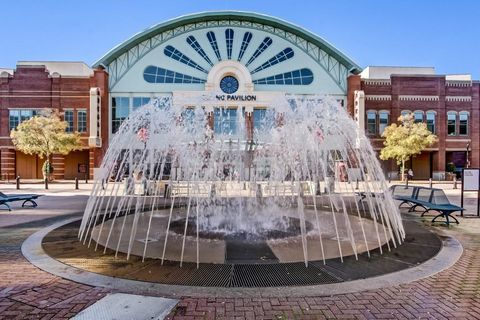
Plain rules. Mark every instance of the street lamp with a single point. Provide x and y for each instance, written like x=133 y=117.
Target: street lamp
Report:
x=468 y=161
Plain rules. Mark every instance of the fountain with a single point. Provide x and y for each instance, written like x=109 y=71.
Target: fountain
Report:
x=176 y=186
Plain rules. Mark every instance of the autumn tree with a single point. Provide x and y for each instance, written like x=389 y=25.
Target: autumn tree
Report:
x=405 y=140
x=44 y=135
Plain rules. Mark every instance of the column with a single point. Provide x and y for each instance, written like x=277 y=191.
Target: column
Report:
x=439 y=163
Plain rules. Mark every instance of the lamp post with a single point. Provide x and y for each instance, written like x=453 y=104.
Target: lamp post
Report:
x=468 y=150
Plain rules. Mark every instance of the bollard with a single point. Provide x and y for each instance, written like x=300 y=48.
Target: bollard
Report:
x=406 y=183
x=430 y=182
x=46 y=183
x=76 y=183
x=103 y=184
x=454 y=182
x=18 y=182
x=356 y=185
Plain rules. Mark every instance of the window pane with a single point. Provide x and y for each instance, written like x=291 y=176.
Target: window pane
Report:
x=140 y=101
x=451 y=124
x=225 y=121
x=82 y=121
x=371 y=123
x=25 y=115
x=431 y=122
x=383 y=121
x=418 y=117
x=463 y=122
x=263 y=120
x=69 y=119
x=120 y=111
x=14 y=119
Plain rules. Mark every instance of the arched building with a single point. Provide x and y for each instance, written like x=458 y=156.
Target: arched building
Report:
x=243 y=61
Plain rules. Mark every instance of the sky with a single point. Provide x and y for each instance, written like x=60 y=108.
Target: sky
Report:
x=431 y=33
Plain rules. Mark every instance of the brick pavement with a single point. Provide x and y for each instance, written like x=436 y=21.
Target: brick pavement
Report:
x=29 y=293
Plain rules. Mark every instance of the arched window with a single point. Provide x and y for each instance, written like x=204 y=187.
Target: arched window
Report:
x=431 y=121
x=451 y=123
x=371 y=122
x=405 y=113
x=383 y=117
x=418 y=116
x=463 y=123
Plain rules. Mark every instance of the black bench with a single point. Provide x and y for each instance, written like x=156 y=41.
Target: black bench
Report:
x=28 y=200
x=429 y=199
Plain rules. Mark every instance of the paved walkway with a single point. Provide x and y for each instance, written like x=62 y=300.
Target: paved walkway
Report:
x=29 y=293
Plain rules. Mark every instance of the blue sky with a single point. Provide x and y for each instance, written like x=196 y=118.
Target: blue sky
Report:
x=442 y=34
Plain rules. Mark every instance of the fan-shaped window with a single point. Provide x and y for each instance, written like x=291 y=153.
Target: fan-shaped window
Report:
x=154 y=74
x=247 y=37
x=179 y=56
x=229 y=39
x=262 y=47
x=296 y=77
x=196 y=46
x=213 y=42
x=282 y=56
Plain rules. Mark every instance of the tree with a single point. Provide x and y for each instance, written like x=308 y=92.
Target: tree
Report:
x=44 y=135
x=405 y=140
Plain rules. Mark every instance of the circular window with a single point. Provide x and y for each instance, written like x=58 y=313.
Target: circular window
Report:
x=229 y=84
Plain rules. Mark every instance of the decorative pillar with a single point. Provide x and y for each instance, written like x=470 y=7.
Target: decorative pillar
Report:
x=441 y=132
x=474 y=153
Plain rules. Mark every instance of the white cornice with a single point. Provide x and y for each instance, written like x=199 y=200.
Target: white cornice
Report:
x=377 y=82
x=458 y=83
x=417 y=98
x=378 y=97
x=458 y=98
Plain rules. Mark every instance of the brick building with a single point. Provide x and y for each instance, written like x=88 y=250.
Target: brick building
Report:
x=449 y=104
x=72 y=88
x=240 y=54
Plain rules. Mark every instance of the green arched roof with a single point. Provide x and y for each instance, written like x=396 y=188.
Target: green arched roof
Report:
x=227 y=15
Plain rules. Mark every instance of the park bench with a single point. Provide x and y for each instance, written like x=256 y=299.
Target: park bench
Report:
x=429 y=199
x=26 y=198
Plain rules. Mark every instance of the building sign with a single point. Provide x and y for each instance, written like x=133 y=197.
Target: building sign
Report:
x=236 y=97
x=471 y=180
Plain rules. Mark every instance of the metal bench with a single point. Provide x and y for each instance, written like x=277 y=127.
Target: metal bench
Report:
x=26 y=198
x=429 y=199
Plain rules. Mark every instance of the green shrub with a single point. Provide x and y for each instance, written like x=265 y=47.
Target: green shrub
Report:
x=451 y=167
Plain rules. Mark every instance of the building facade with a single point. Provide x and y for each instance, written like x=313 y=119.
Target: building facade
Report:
x=67 y=87
x=243 y=62
x=448 y=104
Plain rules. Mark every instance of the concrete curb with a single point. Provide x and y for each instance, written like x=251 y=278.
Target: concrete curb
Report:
x=32 y=250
